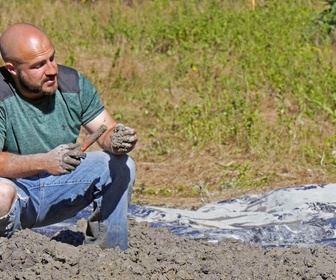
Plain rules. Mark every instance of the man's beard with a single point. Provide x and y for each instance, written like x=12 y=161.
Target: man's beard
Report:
x=34 y=89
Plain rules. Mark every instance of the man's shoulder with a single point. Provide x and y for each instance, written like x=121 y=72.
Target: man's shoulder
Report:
x=68 y=79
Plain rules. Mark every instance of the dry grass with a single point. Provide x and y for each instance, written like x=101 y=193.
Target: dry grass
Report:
x=147 y=90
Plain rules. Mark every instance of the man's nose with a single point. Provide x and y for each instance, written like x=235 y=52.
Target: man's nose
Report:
x=51 y=68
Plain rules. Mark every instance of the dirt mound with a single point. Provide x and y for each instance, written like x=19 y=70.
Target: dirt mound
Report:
x=156 y=254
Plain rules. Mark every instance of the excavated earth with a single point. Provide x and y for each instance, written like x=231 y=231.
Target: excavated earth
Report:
x=155 y=253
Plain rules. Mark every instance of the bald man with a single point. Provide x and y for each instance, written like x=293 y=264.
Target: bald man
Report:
x=44 y=177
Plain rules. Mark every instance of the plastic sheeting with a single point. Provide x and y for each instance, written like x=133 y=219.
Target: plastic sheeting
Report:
x=303 y=216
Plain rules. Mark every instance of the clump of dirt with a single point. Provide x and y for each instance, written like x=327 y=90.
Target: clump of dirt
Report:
x=155 y=253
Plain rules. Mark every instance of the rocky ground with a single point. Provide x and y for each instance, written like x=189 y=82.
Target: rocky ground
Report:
x=156 y=254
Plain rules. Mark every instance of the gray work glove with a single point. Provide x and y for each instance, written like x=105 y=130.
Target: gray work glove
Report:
x=123 y=139
x=67 y=157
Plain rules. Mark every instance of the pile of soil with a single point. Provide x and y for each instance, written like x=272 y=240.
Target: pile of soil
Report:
x=155 y=253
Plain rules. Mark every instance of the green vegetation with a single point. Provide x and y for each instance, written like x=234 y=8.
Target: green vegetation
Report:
x=328 y=16
x=222 y=96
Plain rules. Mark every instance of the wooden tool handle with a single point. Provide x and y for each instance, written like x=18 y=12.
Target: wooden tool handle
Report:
x=92 y=138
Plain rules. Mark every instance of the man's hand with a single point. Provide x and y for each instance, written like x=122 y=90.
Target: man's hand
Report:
x=123 y=139
x=64 y=159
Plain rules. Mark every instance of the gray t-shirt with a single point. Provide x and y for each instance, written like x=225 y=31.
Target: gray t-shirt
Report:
x=37 y=126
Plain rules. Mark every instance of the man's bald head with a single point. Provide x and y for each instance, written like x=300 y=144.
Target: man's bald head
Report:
x=30 y=59
x=20 y=42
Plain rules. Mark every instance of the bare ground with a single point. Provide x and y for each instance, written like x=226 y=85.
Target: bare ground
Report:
x=156 y=254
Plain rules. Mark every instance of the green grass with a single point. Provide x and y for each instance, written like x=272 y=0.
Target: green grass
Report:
x=207 y=82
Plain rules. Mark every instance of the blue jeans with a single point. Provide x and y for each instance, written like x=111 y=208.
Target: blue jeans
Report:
x=101 y=178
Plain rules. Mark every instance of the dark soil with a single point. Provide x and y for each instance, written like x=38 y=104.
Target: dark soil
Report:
x=156 y=254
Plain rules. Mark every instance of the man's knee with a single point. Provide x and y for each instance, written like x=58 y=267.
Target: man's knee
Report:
x=8 y=195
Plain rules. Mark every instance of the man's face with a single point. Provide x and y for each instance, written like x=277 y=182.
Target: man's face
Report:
x=37 y=83
x=38 y=76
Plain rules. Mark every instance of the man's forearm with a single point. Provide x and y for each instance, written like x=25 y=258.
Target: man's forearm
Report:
x=20 y=166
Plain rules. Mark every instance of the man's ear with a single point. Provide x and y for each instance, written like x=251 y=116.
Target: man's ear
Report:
x=11 y=68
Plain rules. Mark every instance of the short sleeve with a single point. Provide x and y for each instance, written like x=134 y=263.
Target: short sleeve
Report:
x=91 y=102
